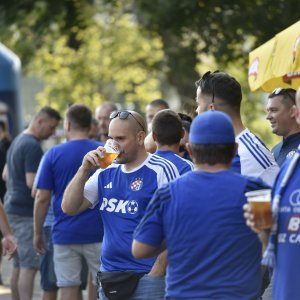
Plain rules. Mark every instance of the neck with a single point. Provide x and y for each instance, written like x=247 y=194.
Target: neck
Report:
x=174 y=148
x=77 y=135
x=32 y=130
x=293 y=130
x=238 y=125
x=141 y=157
x=212 y=168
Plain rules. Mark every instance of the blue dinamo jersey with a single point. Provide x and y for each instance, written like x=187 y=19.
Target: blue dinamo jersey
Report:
x=287 y=270
x=183 y=165
x=123 y=198
x=212 y=254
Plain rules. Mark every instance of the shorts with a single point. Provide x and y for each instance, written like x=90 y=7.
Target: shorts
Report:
x=68 y=262
x=22 y=227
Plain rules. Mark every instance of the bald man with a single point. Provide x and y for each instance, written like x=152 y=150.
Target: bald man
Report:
x=124 y=190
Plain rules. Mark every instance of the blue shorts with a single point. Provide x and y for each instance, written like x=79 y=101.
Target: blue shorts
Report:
x=148 y=288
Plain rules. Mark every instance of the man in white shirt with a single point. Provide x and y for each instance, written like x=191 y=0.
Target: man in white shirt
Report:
x=220 y=91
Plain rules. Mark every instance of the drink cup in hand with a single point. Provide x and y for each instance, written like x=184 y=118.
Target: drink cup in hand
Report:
x=110 y=154
x=260 y=207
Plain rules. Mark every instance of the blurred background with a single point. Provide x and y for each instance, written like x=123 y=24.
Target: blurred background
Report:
x=133 y=51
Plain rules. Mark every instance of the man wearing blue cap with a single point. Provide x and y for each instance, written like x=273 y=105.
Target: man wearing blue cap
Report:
x=211 y=252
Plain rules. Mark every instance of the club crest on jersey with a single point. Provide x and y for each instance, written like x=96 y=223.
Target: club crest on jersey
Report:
x=136 y=184
x=291 y=153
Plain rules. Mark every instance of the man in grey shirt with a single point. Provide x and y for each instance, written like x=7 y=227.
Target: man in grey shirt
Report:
x=23 y=159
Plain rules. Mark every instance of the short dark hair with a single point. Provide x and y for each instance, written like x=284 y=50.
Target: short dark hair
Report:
x=186 y=121
x=222 y=86
x=288 y=96
x=212 y=153
x=159 y=102
x=167 y=127
x=80 y=116
x=49 y=112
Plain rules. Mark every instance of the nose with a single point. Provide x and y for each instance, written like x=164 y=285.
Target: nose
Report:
x=269 y=115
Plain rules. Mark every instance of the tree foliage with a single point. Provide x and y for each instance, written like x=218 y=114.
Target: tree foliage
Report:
x=136 y=50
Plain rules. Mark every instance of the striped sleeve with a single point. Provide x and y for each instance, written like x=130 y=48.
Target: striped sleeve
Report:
x=150 y=229
x=256 y=151
x=165 y=166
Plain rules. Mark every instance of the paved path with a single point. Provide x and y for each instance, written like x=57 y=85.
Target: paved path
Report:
x=5 y=292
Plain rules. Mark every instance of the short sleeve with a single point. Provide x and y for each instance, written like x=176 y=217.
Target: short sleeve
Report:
x=90 y=191
x=150 y=230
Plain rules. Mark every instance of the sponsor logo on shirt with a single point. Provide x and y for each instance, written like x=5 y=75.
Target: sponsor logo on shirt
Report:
x=295 y=198
x=108 y=186
x=136 y=184
x=119 y=206
x=291 y=153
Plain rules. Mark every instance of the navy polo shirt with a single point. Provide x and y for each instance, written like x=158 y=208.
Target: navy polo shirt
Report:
x=286 y=148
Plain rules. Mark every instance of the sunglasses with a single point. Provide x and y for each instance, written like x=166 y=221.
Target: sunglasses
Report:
x=281 y=91
x=123 y=115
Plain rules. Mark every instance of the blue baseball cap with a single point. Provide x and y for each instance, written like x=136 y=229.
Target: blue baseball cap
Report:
x=212 y=127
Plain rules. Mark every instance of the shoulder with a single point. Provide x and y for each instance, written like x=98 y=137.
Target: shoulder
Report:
x=160 y=164
x=253 y=149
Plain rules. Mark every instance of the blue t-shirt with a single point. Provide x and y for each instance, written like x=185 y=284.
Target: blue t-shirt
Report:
x=123 y=198
x=212 y=254
x=287 y=271
x=59 y=165
x=23 y=157
x=183 y=165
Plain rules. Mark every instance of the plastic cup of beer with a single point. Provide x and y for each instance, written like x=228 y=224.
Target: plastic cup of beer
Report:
x=260 y=205
x=110 y=154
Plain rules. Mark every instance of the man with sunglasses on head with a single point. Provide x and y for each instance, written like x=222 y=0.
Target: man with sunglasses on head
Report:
x=220 y=91
x=123 y=191
x=281 y=112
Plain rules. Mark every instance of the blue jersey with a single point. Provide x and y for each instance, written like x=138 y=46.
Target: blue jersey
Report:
x=123 y=198
x=287 y=271
x=183 y=165
x=286 y=148
x=59 y=165
x=212 y=254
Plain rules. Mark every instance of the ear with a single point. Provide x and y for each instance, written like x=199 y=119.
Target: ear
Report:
x=154 y=136
x=141 y=135
x=294 y=111
x=211 y=106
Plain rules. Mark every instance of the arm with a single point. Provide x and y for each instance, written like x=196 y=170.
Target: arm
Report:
x=30 y=179
x=8 y=242
x=41 y=205
x=74 y=201
x=141 y=250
